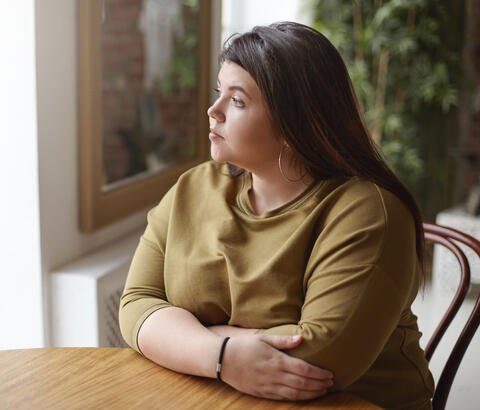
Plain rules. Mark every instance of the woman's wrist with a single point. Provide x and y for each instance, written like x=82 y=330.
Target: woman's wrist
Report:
x=190 y=348
x=220 y=358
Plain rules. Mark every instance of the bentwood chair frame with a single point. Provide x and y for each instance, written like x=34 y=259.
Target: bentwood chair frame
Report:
x=443 y=235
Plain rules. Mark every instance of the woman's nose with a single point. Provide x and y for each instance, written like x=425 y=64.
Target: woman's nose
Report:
x=215 y=112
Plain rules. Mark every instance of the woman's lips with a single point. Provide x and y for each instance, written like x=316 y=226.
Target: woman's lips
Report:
x=214 y=136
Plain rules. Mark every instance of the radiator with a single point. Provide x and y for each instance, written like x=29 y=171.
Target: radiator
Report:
x=85 y=296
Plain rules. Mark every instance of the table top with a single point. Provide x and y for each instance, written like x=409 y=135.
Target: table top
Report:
x=117 y=378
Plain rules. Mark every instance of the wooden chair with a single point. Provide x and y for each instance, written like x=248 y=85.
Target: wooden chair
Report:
x=443 y=236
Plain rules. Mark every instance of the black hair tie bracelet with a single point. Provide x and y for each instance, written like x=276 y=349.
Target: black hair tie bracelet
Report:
x=220 y=358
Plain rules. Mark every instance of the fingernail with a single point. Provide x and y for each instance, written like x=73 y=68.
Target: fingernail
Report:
x=296 y=338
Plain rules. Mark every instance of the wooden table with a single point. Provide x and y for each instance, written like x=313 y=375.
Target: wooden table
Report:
x=115 y=378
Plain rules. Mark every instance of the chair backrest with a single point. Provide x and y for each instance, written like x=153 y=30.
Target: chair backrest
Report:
x=443 y=236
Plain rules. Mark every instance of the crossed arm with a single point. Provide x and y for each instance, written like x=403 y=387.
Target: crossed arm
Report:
x=254 y=364
x=254 y=360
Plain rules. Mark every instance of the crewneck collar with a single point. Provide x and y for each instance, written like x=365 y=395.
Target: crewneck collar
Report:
x=243 y=199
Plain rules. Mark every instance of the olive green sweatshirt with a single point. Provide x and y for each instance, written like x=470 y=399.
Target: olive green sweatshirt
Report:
x=337 y=265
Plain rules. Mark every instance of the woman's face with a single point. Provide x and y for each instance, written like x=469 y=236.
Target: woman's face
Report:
x=240 y=128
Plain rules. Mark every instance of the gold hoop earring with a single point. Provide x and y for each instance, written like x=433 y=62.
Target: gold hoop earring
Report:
x=281 y=169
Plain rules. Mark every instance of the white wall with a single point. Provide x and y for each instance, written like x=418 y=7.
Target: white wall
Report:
x=58 y=139
x=21 y=300
x=39 y=164
x=62 y=242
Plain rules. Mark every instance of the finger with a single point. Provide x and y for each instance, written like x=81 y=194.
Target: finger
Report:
x=281 y=341
x=305 y=383
x=302 y=368
x=289 y=393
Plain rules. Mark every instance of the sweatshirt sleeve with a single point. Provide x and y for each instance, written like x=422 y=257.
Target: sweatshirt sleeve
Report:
x=144 y=291
x=359 y=278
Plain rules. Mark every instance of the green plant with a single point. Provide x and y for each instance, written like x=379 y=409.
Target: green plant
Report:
x=404 y=60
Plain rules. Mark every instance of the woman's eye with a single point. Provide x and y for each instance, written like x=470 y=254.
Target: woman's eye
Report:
x=216 y=90
x=237 y=102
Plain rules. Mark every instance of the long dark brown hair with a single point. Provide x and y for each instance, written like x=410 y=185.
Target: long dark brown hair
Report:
x=307 y=88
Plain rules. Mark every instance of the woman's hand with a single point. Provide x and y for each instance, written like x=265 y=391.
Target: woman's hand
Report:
x=253 y=364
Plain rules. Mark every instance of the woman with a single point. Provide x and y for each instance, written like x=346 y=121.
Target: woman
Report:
x=297 y=245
